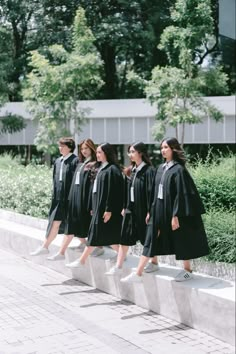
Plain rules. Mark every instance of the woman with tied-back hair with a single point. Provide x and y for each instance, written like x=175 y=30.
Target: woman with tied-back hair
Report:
x=174 y=224
x=79 y=200
x=138 y=187
x=107 y=202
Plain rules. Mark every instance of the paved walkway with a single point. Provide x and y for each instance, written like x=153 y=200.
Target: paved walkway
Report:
x=42 y=311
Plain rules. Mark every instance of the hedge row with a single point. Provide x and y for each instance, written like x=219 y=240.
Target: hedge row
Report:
x=216 y=182
x=220 y=229
x=26 y=190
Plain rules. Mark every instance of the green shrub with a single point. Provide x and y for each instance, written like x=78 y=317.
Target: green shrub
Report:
x=215 y=181
x=26 y=190
x=220 y=228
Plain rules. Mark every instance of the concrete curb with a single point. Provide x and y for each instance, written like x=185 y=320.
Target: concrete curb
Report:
x=204 y=303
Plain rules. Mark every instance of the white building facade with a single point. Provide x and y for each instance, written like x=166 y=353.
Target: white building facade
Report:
x=127 y=120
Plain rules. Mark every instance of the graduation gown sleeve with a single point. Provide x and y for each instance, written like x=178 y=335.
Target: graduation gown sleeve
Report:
x=150 y=177
x=114 y=202
x=187 y=201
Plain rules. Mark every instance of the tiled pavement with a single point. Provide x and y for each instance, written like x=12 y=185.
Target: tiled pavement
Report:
x=42 y=311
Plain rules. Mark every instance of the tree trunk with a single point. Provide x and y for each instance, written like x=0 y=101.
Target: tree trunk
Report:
x=176 y=132
x=108 y=56
x=182 y=135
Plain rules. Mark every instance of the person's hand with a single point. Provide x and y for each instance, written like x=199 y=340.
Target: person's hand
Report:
x=175 y=223
x=106 y=216
x=91 y=212
x=147 y=218
x=123 y=212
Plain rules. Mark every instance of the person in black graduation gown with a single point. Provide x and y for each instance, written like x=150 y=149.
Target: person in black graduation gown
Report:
x=137 y=198
x=63 y=172
x=175 y=224
x=79 y=199
x=107 y=202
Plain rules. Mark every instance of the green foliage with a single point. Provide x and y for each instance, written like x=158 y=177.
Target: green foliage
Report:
x=17 y=18
x=220 y=229
x=11 y=123
x=127 y=34
x=178 y=98
x=5 y=63
x=215 y=180
x=58 y=81
x=26 y=190
x=185 y=41
x=177 y=89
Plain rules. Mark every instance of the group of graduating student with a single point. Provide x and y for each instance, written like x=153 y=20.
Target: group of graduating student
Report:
x=102 y=204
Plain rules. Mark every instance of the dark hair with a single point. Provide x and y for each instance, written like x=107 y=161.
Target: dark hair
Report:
x=142 y=149
x=178 y=152
x=110 y=153
x=68 y=141
x=128 y=169
x=90 y=144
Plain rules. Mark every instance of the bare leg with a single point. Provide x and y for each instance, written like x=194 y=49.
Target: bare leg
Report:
x=65 y=243
x=52 y=234
x=115 y=248
x=87 y=251
x=187 y=265
x=121 y=255
x=142 y=263
x=154 y=260
x=82 y=240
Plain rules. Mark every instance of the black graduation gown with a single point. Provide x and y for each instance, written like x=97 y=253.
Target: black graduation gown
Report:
x=181 y=199
x=108 y=197
x=134 y=225
x=61 y=189
x=79 y=208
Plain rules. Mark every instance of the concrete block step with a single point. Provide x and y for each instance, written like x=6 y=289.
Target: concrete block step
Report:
x=205 y=303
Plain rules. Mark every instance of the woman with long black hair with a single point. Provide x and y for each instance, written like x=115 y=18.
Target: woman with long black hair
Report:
x=174 y=224
x=107 y=202
x=138 y=187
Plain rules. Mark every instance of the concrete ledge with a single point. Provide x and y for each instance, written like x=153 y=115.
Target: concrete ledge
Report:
x=204 y=303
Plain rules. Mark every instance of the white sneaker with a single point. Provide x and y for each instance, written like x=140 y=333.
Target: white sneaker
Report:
x=184 y=275
x=40 y=250
x=151 y=267
x=114 y=271
x=56 y=257
x=97 y=252
x=132 y=278
x=75 y=264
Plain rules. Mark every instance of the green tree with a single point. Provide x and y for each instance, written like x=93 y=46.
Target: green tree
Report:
x=5 y=63
x=126 y=36
x=9 y=123
x=33 y=24
x=58 y=81
x=177 y=89
x=17 y=17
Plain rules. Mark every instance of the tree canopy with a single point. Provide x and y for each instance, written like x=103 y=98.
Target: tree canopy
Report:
x=126 y=34
x=177 y=89
x=58 y=81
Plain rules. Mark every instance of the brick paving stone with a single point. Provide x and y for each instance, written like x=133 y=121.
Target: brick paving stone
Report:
x=44 y=312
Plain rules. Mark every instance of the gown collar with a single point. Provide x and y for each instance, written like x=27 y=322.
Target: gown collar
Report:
x=64 y=158
x=168 y=165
